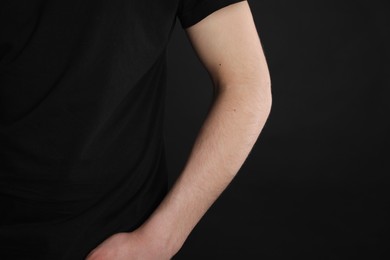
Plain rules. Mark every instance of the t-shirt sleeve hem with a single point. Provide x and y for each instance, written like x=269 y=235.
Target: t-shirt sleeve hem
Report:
x=193 y=16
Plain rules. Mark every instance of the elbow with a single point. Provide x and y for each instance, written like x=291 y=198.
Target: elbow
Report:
x=269 y=96
x=263 y=103
x=263 y=95
x=261 y=92
x=265 y=85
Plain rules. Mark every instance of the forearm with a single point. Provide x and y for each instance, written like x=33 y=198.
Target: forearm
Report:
x=229 y=132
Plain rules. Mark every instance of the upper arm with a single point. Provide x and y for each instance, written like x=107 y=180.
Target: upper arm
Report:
x=228 y=45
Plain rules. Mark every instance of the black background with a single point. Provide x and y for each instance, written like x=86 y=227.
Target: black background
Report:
x=315 y=184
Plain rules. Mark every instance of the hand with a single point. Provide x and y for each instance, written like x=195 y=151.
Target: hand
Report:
x=128 y=246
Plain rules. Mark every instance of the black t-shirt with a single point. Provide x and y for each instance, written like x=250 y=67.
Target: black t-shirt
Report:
x=82 y=87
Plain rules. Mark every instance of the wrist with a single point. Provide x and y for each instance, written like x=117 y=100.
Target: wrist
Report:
x=159 y=237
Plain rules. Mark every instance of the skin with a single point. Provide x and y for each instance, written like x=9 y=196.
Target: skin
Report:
x=228 y=45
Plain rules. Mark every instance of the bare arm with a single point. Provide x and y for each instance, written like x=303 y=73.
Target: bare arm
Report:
x=228 y=45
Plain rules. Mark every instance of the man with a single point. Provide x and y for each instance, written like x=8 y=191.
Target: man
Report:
x=82 y=85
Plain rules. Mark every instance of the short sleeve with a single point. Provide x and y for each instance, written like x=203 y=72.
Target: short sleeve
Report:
x=192 y=11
